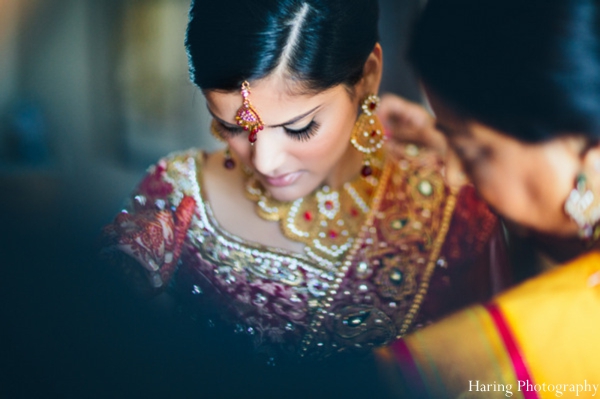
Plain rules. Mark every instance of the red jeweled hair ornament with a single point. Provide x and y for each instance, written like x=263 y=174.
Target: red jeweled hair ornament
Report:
x=247 y=116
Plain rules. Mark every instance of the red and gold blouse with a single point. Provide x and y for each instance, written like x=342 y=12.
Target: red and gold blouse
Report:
x=423 y=251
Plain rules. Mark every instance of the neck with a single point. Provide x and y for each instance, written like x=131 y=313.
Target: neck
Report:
x=562 y=249
x=347 y=168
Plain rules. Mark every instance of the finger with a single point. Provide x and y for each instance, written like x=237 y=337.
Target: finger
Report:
x=453 y=171
x=410 y=122
x=397 y=111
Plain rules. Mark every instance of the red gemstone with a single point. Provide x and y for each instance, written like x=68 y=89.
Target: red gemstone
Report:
x=252 y=137
x=328 y=205
x=374 y=133
x=366 y=171
x=229 y=163
x=308 y=216
x=372 y=106
x=354 y=212
x=332 y=234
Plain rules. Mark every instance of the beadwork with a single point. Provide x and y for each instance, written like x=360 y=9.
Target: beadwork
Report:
x=328 y=299
x=328 y=221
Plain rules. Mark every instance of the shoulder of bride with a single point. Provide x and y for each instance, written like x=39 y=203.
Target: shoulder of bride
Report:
x=196 y=154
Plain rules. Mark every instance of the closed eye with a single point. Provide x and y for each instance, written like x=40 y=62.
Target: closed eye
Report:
x=304 y=133
x=227 y=131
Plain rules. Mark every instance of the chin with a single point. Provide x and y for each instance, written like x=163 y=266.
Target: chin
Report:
x=291 y=193
x=285 y=195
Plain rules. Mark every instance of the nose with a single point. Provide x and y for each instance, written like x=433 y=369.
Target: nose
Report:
x=269 y=152
x=453 y=172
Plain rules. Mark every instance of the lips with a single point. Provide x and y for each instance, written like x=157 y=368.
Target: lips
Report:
x=282 y=180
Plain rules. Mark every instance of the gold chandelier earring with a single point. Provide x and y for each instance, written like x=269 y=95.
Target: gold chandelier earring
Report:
x=367 y=134
x=228 y=163
x=583 y=206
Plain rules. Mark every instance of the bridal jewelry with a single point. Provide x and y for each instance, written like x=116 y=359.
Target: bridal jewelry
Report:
x=367 y=134
x=228 y=163
x=247 y=116
x=327 y=221
x=584 y=208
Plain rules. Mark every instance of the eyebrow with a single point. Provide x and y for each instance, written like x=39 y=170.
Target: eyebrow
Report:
x=290 y=122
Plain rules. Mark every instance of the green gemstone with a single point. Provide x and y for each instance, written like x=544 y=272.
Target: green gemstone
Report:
x=356 y=320
x=396 y=276
x=398 y=224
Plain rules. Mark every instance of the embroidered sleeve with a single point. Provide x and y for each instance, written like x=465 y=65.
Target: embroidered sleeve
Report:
x=150 y=231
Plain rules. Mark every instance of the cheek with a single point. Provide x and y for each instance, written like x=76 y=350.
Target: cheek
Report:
x=326 y=147
x=239 y=146
x=503 y=186
x=525 y=196
x=503 y=194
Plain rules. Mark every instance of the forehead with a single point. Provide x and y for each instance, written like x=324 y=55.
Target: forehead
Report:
x=275 y=99
x=456 y=127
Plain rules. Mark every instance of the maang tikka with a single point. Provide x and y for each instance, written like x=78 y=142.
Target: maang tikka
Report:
x=247 y=117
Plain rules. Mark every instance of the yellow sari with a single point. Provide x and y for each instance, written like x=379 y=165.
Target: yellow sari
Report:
x=538 y=340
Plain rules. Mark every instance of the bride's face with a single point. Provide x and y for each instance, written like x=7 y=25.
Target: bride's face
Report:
x=526 y=183
x=306 y=137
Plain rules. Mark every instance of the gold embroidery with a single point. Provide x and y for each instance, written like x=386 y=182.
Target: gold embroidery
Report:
x=429 y=269
x=327 y=221
x=393 y=255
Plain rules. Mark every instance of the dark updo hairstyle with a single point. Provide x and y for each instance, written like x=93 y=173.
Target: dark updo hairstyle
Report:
x=322 y=43
x=529 y=68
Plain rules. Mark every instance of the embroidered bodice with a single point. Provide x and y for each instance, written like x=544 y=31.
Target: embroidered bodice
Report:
x=421 y=253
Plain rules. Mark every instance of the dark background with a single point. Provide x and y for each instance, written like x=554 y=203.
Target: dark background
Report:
x=80 y=119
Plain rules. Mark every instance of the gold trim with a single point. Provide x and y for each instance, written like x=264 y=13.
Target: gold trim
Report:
x=322 y=312
x=430 y=268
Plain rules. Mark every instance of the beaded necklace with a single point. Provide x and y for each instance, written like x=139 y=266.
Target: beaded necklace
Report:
x=328 y=221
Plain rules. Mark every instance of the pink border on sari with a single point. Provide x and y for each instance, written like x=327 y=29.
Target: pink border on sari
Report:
x=410 y=371
x=519 y=366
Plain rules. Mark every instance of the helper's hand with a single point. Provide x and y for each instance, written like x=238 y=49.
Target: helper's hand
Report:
x=409 y=122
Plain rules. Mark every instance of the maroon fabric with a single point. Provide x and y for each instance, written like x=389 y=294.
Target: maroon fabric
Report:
x=286 y=302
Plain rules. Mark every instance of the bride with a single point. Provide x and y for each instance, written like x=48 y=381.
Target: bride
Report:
x=306 y=232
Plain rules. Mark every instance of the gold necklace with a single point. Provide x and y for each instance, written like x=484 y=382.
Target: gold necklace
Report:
x=327 y=221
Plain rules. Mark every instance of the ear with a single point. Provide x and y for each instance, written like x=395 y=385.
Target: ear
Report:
x=369 y=84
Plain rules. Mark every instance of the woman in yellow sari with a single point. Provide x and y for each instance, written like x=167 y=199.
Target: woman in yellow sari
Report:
x=515 y=88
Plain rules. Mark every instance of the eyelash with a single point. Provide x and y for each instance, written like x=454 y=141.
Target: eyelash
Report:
x=303 y=134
